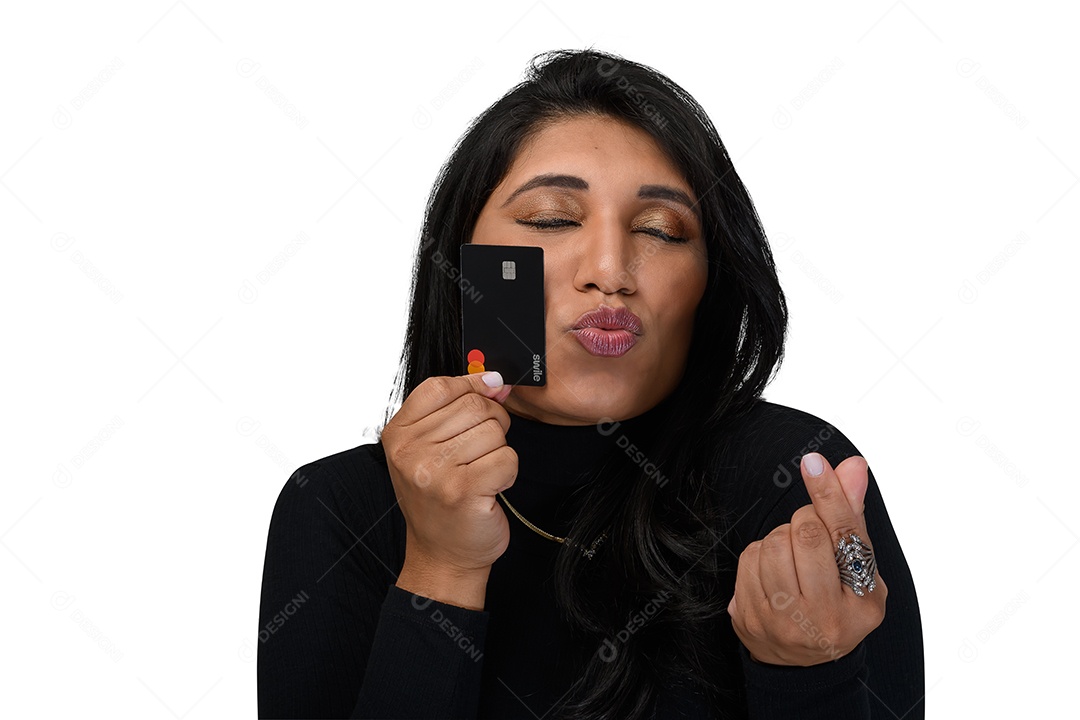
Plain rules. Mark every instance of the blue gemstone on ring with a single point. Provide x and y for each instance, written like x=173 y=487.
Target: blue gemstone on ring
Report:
x=856 y=566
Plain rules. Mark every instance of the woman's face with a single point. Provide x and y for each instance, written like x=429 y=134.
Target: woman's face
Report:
x=603 y=201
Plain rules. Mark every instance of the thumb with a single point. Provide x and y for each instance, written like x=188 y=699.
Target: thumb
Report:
x=852 y=473
x=490 y=384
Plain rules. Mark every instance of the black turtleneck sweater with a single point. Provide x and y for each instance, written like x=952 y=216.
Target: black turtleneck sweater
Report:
x=337 y=637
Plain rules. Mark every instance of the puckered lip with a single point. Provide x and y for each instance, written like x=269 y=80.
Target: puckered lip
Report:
x=607 y=317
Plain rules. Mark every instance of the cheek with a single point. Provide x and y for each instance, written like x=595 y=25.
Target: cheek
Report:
x=486 y=230
x=558 y=283
x=676 y=324
x=682 y=291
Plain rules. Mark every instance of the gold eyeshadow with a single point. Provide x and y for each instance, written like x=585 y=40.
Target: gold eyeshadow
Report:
x=556 y=204
x=537 y=203
x=665 y=219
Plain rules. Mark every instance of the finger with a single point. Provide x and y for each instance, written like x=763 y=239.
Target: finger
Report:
x=437 y=392
x=493 y=473
x=814 y=557
x=473 y=443
x=854 y=478
x=500 y=397
x=464 y=413
x=828 y=496
x=776 y=568
x=748 y=592
x=852 y=473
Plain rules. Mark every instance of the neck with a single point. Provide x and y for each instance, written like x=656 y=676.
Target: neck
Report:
x=568 y=454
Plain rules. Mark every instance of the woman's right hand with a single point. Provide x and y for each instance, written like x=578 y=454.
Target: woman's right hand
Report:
x=448 y=458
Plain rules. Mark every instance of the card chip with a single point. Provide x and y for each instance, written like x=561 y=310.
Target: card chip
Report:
x=509 y=270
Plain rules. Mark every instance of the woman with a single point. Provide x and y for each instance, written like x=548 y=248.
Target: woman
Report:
x=668 y=546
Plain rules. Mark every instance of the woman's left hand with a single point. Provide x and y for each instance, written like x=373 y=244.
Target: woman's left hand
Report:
x=790 y=607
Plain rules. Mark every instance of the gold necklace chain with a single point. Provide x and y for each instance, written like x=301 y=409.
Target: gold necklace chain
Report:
x=587 y=553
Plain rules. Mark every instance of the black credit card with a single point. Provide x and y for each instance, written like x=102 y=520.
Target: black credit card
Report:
x=502 y=312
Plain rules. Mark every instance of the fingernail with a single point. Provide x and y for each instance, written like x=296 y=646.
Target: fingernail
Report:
x=814 y=464
x=493 y=379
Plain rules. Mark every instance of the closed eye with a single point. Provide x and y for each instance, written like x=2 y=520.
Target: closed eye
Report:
x=548 y=223
x=556 y=223
x=663 y=235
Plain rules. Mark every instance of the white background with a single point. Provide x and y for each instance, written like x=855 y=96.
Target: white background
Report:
x=209 y=214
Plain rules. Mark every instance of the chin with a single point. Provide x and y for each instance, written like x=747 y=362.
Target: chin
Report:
x=588 y=404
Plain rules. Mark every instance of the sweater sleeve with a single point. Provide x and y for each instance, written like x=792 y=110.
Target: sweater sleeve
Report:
x=883 y=677
x=426 y=660
x=336 y=637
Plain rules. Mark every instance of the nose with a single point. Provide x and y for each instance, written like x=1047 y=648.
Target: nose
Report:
x=605 y=257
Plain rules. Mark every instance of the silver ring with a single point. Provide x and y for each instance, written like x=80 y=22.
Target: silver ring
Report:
x=857 y=564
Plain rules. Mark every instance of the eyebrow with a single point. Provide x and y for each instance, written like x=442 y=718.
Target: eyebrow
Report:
x=549 y=180
x=666 y=192
x=647 y=192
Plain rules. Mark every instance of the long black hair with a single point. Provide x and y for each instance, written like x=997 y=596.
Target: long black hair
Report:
x=661 y=568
